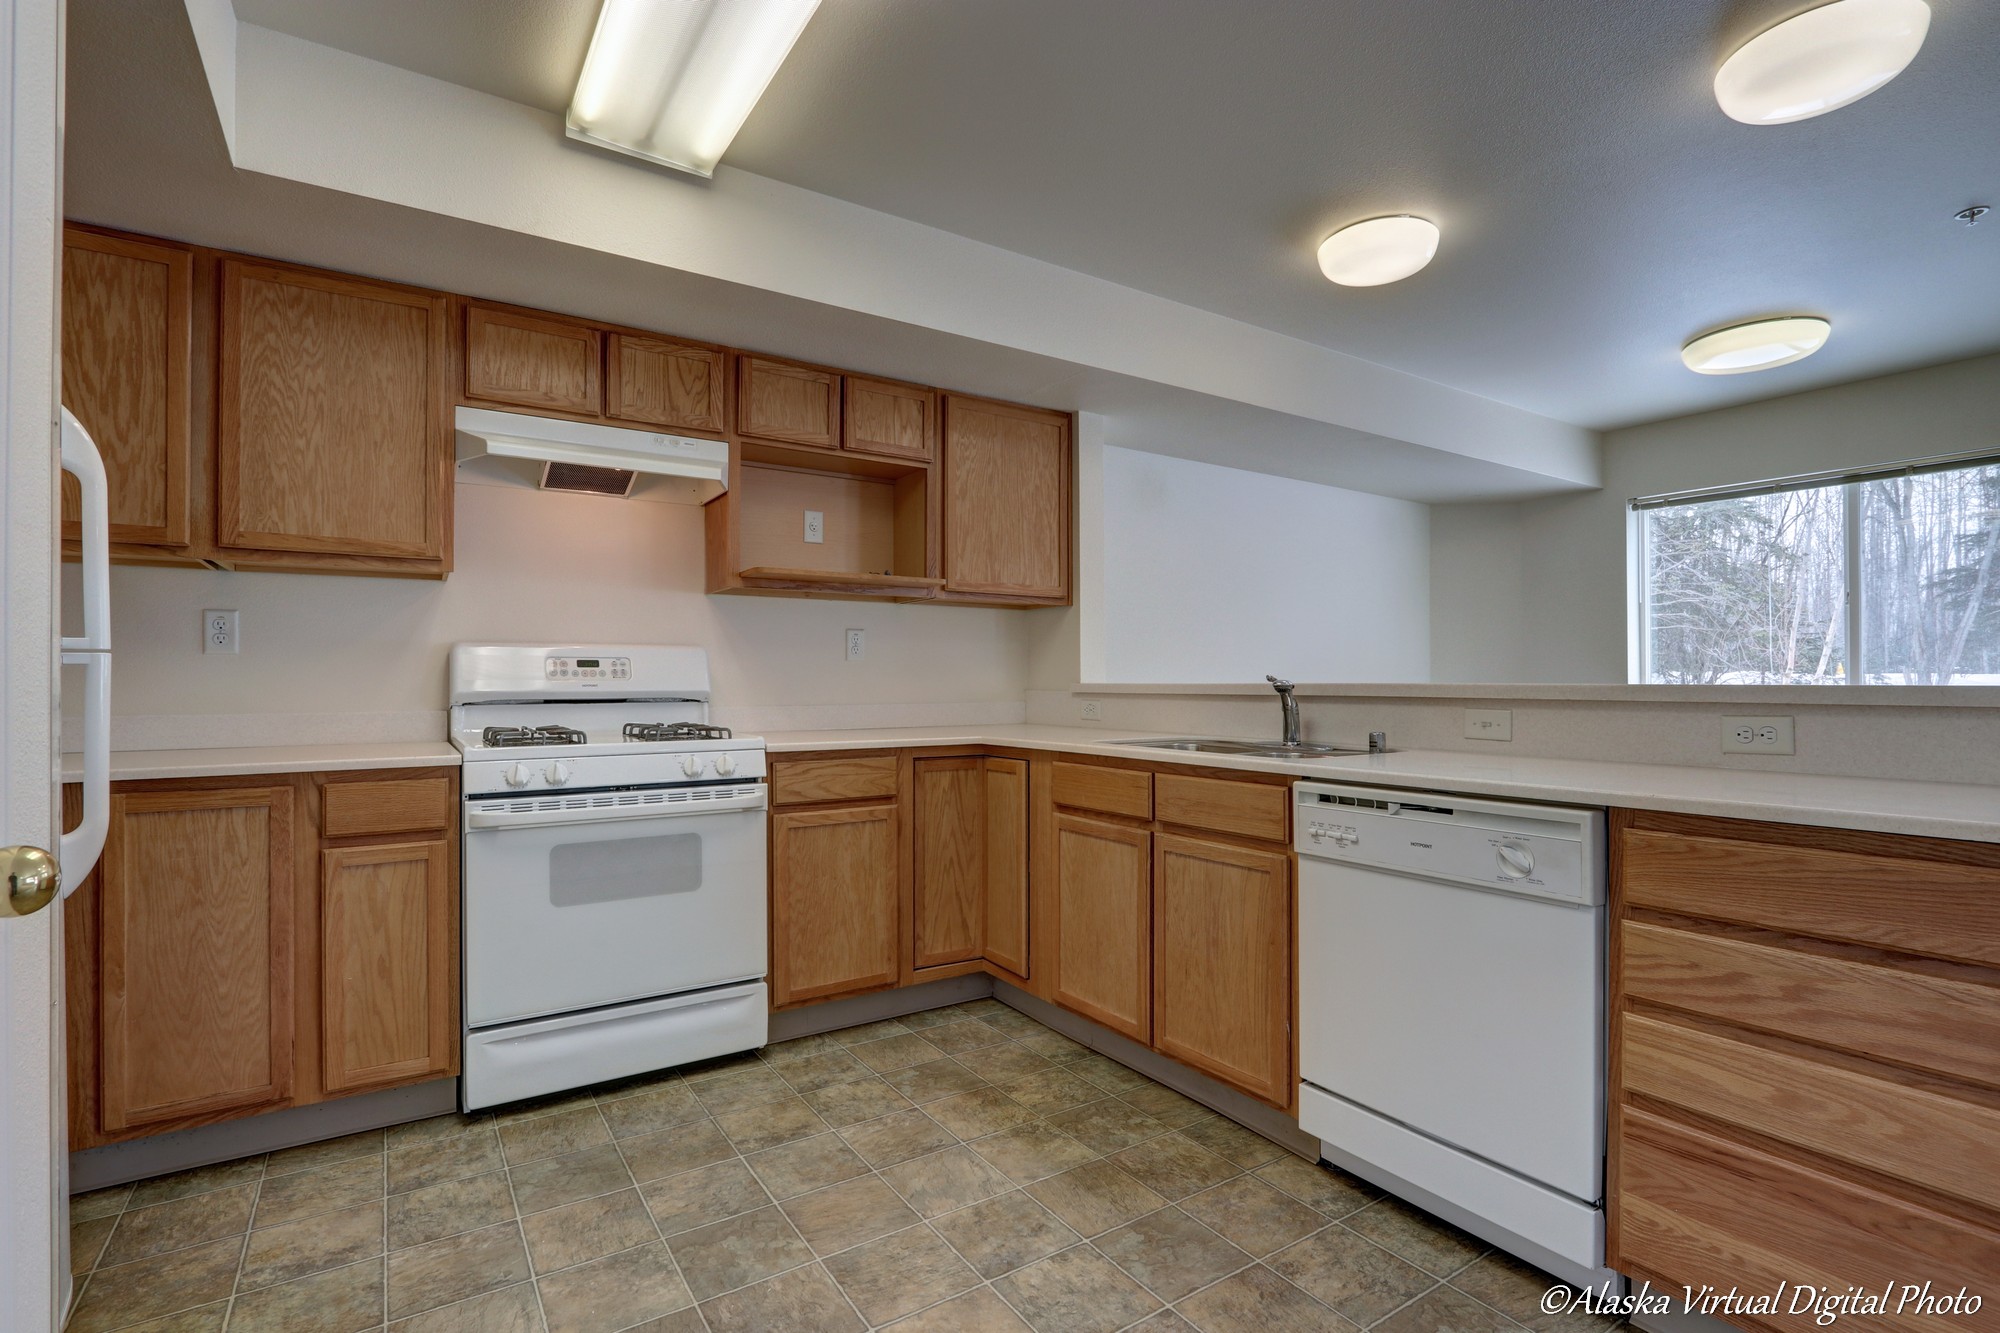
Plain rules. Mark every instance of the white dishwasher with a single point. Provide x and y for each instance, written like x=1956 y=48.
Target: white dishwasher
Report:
x=1451 y=1009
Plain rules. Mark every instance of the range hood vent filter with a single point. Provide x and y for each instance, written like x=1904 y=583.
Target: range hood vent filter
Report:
x=587 y=480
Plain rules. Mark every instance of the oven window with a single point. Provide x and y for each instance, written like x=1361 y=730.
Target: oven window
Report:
x=581 y=873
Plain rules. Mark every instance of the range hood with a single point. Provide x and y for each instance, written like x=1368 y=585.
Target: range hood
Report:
x=594 y=460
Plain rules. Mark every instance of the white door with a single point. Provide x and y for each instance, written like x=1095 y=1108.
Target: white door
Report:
x=34 y=1282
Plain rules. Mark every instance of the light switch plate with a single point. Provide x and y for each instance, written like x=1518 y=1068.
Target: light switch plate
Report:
x=218 y=631
x=1489 y=724
x=1757 y=735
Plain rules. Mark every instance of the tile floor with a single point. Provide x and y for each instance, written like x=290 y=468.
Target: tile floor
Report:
x=965 y=1169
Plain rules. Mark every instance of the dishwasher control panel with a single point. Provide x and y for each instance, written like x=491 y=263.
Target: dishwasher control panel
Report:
x=1553 y=852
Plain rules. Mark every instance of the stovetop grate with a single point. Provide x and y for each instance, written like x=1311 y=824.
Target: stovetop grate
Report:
x=501 y=738
x=675 y=731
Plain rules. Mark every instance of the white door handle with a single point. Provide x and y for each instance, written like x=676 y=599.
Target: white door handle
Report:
x=80 y=847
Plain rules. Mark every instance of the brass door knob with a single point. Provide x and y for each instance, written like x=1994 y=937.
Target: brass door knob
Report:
x=32 y=880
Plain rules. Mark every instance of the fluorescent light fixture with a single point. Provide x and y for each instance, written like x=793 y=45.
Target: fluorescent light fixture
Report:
x=1379 y=250
x=673 y=80
x=1821 y=60
x=1756 y=346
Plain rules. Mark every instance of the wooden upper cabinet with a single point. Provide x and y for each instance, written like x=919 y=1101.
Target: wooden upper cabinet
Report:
x=532 y=361
x=787 y=403
x=889 y=419
x=127 y=321
x=331 y=416
x=195 y=970
x=388 y=969
x=949 y=924
x=1222 y=962
x=1104 y=923
x=834 y=901
x=1006 y=501
x=662 y=382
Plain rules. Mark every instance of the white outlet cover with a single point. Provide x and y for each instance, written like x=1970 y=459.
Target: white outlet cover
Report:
x=857 y=644
x=1092 y=710
x=1489 y=724
x=1758 y=735
x=218 y=631
x=815 y=526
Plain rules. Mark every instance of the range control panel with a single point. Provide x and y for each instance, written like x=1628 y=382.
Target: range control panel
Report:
x=588 y=668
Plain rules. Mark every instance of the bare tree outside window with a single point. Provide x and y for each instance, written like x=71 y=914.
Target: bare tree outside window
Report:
x=1753 y=589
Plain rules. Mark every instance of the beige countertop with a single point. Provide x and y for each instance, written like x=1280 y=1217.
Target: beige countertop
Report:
x=1885 y=805
x=133 y=765
x=1927 y=809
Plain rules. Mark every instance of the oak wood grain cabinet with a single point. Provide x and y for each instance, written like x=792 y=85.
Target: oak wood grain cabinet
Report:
x=249 y=944
x=835 y=900
x=787 y=403
x=889 y=419
x=1222 y=961
x=515 y=358
x=655 y=381
x=195 y=939
x=1804 y=1075
x=1104 y=923
x=1008 y=861
x=127 y=331
x=1007 y=507
x=331 y=424
x=970 y=893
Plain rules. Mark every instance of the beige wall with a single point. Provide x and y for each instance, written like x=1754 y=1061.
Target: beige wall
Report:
x=541 y=566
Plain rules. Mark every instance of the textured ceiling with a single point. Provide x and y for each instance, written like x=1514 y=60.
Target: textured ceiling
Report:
x=1597 y=208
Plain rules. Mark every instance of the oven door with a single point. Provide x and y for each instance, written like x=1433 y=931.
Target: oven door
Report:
x=595 y=898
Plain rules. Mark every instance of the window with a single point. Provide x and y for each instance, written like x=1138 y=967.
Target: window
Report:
x=1888 y=577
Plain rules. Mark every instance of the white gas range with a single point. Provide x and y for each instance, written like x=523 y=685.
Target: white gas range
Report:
x=614 y=867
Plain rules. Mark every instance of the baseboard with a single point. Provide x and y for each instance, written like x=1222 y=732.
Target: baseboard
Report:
x=1248 y=1112
x=162 y=1154
x=878 y=1005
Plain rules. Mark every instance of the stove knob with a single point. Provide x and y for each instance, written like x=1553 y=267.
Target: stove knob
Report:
x=724 y=765
x=691 y=765
x=558 y=773
x=518 y=775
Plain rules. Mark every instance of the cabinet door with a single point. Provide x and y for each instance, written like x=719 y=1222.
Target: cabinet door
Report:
x=1006 y=791
x=664 y=383
x=834 y=898
x=1104 y=926
x=776 y=400
x=890 y=419
x=330 y=421
x=950 y=897
x=526 y=361
x=195 y=999
x=1222 y=962
x=387 y=974
x=126 y=327
x=1006 y=500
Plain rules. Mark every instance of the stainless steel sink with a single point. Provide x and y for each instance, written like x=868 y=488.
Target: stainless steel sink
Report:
x=1252 y=749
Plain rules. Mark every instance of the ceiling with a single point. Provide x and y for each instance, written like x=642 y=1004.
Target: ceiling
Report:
x=1597 y=208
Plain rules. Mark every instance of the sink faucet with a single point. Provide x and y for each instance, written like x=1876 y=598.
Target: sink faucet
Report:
x=1290 y=707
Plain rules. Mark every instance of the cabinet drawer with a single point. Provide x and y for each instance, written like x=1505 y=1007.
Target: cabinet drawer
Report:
x=1872 y=1121
x=1247 y=809
x=798 y=781
x=1114 y=791
x=1696 y=1208
x=399 y=805
x=1916 y=905
x=1937 y=1023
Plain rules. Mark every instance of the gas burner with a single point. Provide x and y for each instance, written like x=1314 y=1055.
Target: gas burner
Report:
x=674 y=731
x=500 y=738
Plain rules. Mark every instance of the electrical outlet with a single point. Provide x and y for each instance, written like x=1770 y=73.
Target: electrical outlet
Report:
x=218 y=631
x=857 y=643
x=1757 y=735
x=815 y=526
x=1489 y=724
x=1093 y=710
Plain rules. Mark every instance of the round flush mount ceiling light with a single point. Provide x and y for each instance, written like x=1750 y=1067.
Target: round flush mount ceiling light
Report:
x=1379 y=250
x=1756 y=346
x=1820 y=60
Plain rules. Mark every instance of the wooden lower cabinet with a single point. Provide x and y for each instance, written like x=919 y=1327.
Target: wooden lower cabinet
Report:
x=969 y=901
x=834 y=901
x=1222 y=961
x=194 y=997
x=388 y=954
x=1004 y=785
x=1803 y=1071
x=1103 y=923
x=232 y=953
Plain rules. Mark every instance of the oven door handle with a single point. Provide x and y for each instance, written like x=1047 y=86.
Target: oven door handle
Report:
x=477 y=818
